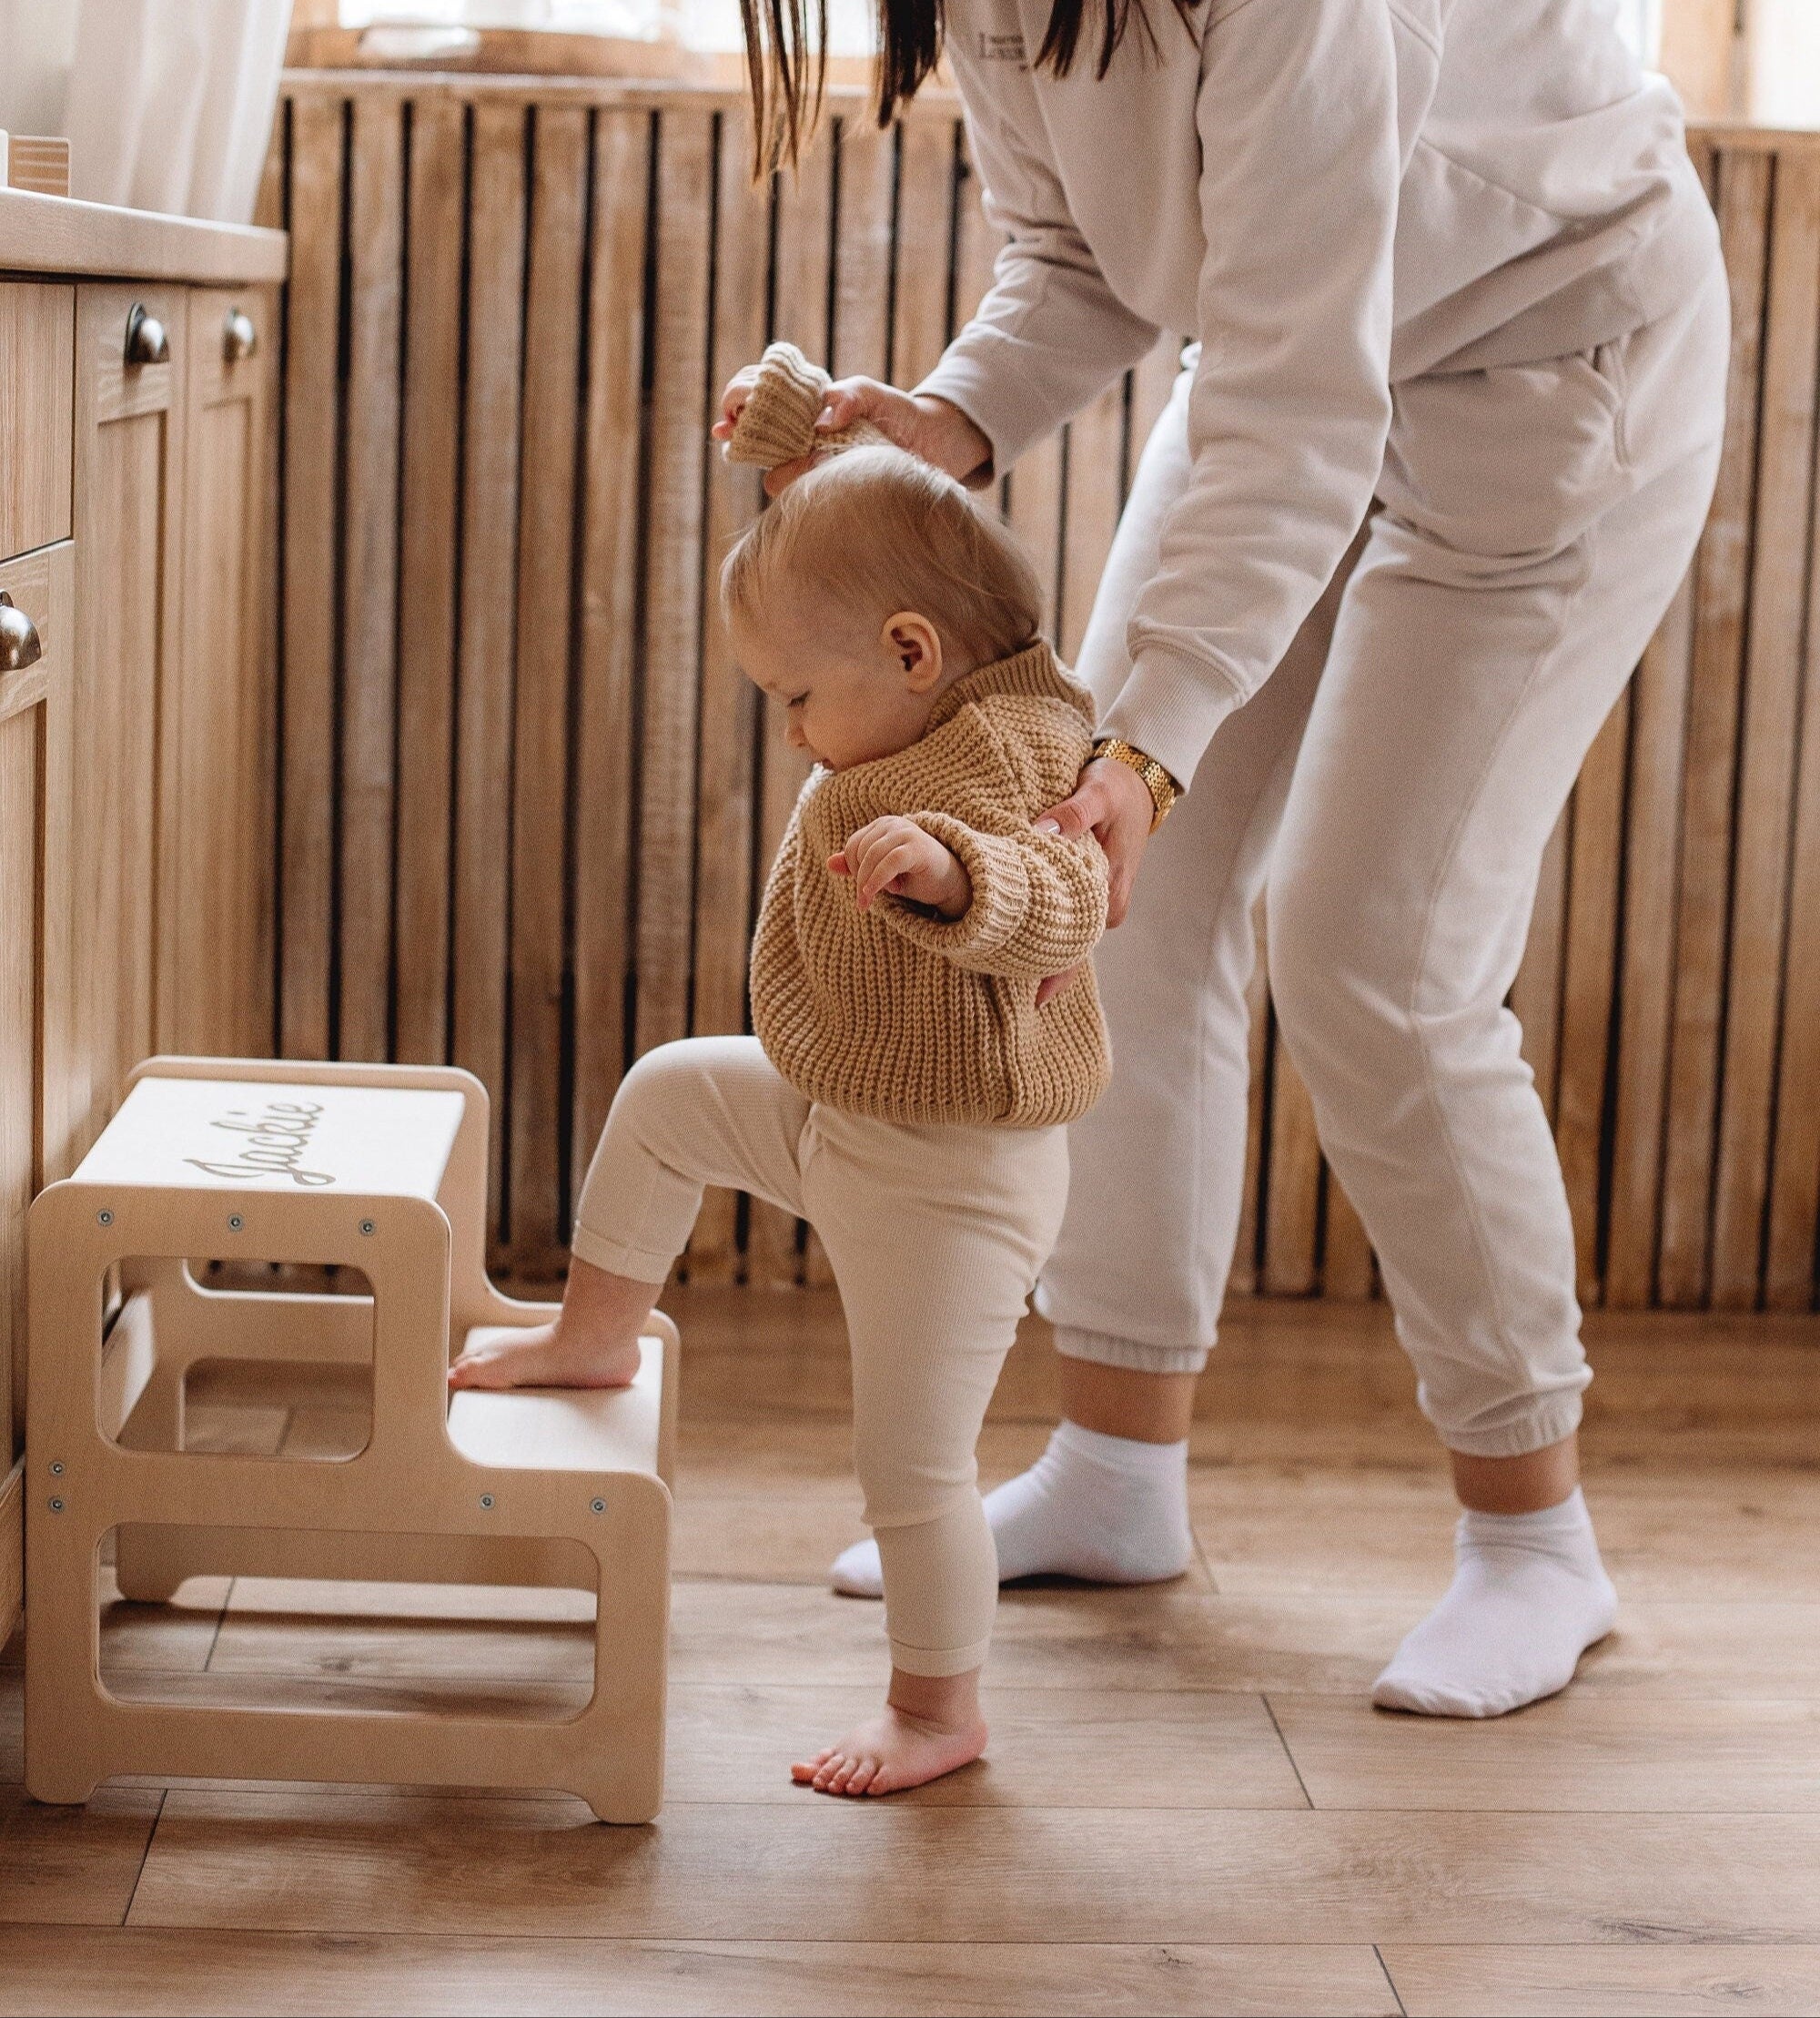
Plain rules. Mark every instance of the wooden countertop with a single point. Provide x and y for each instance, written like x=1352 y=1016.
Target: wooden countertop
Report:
x=57 y=235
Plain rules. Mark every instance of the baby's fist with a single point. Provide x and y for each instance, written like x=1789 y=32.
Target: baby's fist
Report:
x=895 y=854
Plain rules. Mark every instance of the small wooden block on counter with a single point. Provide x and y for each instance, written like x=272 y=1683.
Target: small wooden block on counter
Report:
x=37 y=164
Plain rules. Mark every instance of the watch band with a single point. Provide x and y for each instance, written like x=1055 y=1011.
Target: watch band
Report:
x=1163 y=789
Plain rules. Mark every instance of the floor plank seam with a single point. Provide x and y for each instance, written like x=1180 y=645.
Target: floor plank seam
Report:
x=175 y=1928
x=1390 y=1981
x=1205 y=1560
x=145 y=1856
x=1271 y=1711
x=220 y=1621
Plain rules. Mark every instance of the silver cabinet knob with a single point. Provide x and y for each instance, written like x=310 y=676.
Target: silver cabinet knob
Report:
x=20 y=644
x=146 y=342
x=239 y=339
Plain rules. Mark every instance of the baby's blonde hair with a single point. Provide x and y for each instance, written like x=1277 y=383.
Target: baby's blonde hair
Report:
x=875 y=530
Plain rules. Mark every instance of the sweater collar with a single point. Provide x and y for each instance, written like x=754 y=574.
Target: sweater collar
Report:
x=1034 y=670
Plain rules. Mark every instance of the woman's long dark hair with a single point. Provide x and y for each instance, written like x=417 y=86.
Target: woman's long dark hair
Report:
x=786 y=44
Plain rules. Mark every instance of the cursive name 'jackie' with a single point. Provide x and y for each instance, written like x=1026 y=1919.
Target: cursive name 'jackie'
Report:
x=275 y=1143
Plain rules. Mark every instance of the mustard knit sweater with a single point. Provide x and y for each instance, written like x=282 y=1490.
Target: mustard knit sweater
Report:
x=896 y=1013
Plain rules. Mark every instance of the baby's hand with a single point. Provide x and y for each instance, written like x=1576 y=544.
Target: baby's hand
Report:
x=897 y=855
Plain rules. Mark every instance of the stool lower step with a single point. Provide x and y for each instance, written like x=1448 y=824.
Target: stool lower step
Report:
x=563 y=1429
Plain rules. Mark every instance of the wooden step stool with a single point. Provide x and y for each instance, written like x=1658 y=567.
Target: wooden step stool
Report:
x=381 y=1169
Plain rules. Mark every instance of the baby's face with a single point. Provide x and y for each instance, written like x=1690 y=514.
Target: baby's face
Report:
x=846 y=703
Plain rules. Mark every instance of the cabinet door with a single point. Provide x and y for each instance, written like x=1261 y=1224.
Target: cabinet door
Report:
x=34 y=949
x=37 y=329
x=214 y=955
x=129 y=474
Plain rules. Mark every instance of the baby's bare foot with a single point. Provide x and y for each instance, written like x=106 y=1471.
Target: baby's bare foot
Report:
x=892 y=1751
x=545 y=1355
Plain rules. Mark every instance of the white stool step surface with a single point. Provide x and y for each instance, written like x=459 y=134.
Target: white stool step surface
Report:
x=235 y=1134
x=561 y=1429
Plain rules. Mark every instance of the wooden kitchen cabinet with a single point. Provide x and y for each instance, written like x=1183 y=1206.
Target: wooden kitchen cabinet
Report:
x=128 y=481
x=136 y=529
x=212 y=984
x=34 y=809
x=38 y=328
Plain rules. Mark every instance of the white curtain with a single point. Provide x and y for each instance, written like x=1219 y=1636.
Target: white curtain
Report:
x=167 y=104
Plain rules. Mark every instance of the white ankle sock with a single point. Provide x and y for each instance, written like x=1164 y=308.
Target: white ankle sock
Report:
x=1107 y=1508
x=1529 y=1596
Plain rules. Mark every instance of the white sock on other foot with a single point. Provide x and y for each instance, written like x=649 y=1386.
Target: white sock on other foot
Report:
x=1529 y=1596
x=1109 y=1509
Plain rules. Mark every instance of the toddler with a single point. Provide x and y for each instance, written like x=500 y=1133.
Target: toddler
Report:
x=902 y=1091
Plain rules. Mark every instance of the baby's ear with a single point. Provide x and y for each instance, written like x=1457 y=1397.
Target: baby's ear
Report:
x=916 y=646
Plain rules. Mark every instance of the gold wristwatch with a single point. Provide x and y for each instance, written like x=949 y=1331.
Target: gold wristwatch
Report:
x=1163 y=789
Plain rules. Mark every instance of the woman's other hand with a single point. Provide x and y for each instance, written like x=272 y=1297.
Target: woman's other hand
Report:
x=933 y=429
x=1114 y=805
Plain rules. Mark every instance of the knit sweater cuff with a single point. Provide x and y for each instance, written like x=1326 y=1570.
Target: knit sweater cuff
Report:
x=1001 y=894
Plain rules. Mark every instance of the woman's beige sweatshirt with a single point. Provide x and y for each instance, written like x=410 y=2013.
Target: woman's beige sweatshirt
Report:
x=1332 y=195
x=898 y=1014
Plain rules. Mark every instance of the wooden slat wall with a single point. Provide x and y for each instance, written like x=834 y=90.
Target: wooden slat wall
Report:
x=527 y=800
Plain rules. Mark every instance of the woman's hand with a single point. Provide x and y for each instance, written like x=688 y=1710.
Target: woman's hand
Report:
x=1114 y=805
x=930 y=428
x=897 y=855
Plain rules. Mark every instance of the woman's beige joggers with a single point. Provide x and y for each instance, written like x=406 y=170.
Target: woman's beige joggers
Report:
x=1393 y=783
x=935 y=1234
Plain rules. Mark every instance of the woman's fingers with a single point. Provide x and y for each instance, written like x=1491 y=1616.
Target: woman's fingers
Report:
x=851 y=400
x=1072 y=818
x=778 y=480
x=1113 y=804
x=1119 y=879
x=1046 y=990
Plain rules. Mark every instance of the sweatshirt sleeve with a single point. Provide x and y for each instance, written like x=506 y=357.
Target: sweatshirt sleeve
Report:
x=1290 y=406
x=1050 y=335
x=1038 y=901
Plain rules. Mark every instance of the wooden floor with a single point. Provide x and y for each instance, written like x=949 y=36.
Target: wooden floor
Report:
x=1187 y=1806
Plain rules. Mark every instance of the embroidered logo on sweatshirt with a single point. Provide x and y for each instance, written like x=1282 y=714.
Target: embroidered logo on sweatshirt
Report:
x=990 y=47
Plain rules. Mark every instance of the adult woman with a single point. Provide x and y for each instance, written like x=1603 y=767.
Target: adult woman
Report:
x=1448 y=258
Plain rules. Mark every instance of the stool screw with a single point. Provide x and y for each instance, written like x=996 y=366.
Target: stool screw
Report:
x=104 y=1217
x=56 y=1507
x=56 y=1468
x=234 y=1222
x=367 y=1226
x=486 y=1499
x=597 y=1507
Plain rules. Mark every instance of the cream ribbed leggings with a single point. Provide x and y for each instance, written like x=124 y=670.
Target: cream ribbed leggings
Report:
x=1393 y=783
x=935 y=1234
